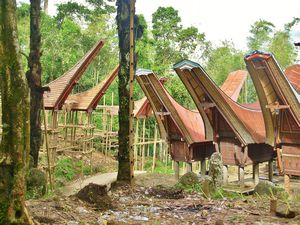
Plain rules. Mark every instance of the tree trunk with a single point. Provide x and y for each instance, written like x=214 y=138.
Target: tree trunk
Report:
x=123 y=17
x=34 y=81
x=14 y=147
x=46 y=6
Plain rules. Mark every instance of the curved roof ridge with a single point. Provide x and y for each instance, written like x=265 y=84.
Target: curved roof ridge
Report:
x=61 y=87
x=88 y=100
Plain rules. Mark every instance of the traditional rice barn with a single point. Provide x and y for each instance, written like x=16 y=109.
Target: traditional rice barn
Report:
x=238 y=131
x=185 y=130
x=280 y=106
x=59 y=92
x=78 y=122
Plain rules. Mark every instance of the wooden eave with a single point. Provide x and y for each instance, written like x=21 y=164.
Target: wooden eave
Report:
x=63 y=85
x=88 y=100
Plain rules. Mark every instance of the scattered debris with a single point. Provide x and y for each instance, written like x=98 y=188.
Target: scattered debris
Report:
x=160 y=191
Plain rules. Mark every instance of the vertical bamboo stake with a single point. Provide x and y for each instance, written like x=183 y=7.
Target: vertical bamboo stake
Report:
x=65 y=126
x=106 y=132
x=149 y=138
x=47 y=148
x=154 y=149
x=135 y=143
x=143 y=144
x=131 y=78
x=54 y=135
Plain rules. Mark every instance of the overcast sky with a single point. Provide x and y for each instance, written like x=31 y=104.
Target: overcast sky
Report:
x=223 y=19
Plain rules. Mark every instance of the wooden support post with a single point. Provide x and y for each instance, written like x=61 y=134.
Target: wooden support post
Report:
x=189 y=167
x=154 y=148
x=242 y=176
x=270 y=170
x=176 y=169
x=225 y=174
x=256 y=173
x=203 y=167
x=161 y=151
x=287 y=183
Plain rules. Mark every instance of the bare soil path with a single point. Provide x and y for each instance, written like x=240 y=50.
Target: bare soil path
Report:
x=100 y=179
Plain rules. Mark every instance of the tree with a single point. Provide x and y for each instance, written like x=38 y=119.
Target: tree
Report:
x=46 y=6
x=34 y=77
x=222 y=60
x=283 y=48
x=14 y=147
x=260 y=35
x=123 y=23
x=172 y=41
x=87 y=12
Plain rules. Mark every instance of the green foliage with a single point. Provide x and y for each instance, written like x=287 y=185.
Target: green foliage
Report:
x=190 y=188
x=260 y=35
x=165 y=23
x=283 y=49
x=65 y=169
x=221 y=194
x=68 y=168
x=223 y=60
x=179 y=92
x=264 y=37
x=87 y=12
x=65 y=44
x=160 y=167
x=172 y=41
x=248 y=92
x=3 y=213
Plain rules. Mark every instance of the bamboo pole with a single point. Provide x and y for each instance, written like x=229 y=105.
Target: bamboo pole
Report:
x=149 y=137
x=154 y=149
x=136 y=138
x=47 y=148
x=143 y=146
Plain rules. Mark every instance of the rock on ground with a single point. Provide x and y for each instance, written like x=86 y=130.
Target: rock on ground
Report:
x=97 y=195
x=216 y=169
x=189 y=179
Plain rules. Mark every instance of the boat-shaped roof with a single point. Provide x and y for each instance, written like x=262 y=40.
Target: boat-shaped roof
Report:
x=63 y=85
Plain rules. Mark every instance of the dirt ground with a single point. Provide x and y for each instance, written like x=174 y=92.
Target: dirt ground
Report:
x=137 y=206
x=143 y=204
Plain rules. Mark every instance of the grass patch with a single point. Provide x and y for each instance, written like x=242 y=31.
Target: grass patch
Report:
x=160 y=167
x=68 y=169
